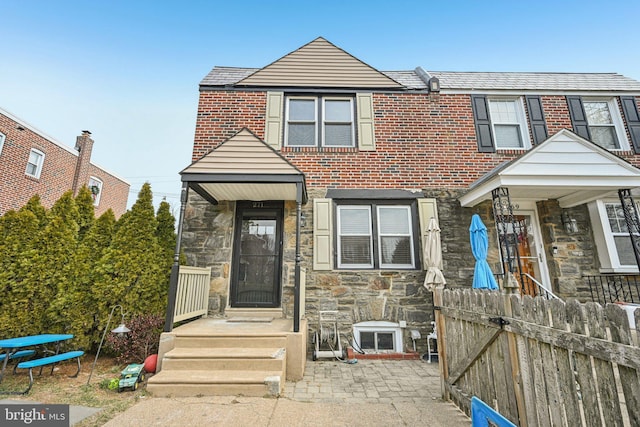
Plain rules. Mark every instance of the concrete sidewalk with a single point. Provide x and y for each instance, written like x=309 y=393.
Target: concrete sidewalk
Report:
x=368 y=393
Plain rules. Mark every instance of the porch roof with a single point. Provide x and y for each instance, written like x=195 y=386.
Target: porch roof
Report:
x=245 y=168
x=565 y=167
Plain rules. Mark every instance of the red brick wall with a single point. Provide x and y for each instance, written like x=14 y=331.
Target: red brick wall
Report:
x=115 y=192
x=58 y=170
x=422 y=141
x=222 y=114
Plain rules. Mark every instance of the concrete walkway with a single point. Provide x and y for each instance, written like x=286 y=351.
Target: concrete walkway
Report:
x=368 y=393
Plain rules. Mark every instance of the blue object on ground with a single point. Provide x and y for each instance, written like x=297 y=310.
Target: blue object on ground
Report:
x=482 y=414
x=18 y=354
x=482 y=274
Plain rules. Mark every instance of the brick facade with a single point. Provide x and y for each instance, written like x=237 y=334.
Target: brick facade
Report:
x=424 y=142
x=62 y=165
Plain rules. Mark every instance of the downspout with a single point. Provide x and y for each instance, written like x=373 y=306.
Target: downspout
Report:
x=296 y=292
x=175 y=268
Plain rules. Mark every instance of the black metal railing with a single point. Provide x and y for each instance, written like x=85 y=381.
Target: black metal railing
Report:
x=611 y=288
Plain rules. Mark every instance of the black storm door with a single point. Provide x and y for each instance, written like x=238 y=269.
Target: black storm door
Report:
x=257 y=255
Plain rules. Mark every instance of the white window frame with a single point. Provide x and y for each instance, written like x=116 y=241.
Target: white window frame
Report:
x=616 y=119
x=522 y=123
x=339 y=235
x=351 y=122
x=604 y=238
x=375 y=237
x=379 y=326
x=97 y=182
x=407 y=208
x=288 y=121
x=38 y=165
x=2 y=138
x=319 y=120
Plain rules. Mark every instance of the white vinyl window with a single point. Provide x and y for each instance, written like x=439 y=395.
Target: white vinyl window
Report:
x=302 y=120
x=2 y=138
x=35 y=162
x=395 y=237
x=377 y=337
x=508 y=123
x=326 y=121
x=95 y=186
x=620 y=234
x=337 y=130
x=384 y=240
x=605 y=123
x=355 y=238
x=612 y=237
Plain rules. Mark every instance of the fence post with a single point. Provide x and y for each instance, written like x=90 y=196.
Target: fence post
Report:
x=512 y=287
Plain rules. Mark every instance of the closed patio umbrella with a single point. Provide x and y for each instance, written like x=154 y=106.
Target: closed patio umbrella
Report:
x=433 y=256
x=482 y=275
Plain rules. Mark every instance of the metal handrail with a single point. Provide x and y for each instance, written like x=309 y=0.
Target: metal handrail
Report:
x=548 y=292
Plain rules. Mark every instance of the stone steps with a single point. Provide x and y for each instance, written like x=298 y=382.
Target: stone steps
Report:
x=239 y=340
x=185 y=383
x=250 y=359
x=233 y=358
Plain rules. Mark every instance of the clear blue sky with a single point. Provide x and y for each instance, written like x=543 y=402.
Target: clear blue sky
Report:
x=128 y=71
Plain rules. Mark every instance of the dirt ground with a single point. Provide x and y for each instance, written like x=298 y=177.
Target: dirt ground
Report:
x=59 y=388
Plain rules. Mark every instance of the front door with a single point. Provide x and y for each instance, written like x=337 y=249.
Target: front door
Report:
x=532 y=257
x=257 y=255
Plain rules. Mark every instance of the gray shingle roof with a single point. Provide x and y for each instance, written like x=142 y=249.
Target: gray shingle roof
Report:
x=223 y=76
x=406 y=78
x=536 y=81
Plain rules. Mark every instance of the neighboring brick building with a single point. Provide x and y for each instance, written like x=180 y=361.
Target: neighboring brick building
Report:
x=34 y=163
x=377 y=154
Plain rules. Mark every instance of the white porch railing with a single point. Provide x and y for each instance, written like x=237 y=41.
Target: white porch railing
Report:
x=192 y=296
x=543 y=291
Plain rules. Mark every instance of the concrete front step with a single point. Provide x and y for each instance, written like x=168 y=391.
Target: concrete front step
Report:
x=254 y=313
x=229 y=341
x=184 y=383
x=249 y=359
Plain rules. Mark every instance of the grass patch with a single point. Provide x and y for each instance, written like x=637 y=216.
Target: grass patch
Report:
x=60 y=389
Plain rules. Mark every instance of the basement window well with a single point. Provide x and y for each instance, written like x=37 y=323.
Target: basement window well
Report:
x=378 y=337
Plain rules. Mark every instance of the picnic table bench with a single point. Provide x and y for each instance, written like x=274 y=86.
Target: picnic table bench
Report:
x=49 y=360
x=20 y=348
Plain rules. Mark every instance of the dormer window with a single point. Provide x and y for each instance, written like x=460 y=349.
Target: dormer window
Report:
x=320 y=122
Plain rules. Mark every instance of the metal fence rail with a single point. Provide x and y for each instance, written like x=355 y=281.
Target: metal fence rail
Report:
x=610 y=288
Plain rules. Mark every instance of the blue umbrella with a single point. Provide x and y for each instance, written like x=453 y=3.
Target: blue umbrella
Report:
x=482 y=275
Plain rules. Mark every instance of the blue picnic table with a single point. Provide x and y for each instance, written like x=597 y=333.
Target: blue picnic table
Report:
x=22 y=347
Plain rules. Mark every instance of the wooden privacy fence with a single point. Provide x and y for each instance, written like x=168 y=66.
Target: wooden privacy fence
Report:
x=539 y=362
x=192 y=296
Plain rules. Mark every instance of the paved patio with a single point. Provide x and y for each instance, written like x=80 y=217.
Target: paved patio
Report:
x=332 y=393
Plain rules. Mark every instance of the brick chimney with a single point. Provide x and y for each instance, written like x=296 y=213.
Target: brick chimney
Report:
x=84 y=145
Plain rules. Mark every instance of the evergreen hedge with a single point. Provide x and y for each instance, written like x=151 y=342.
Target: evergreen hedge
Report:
x=62 y=270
